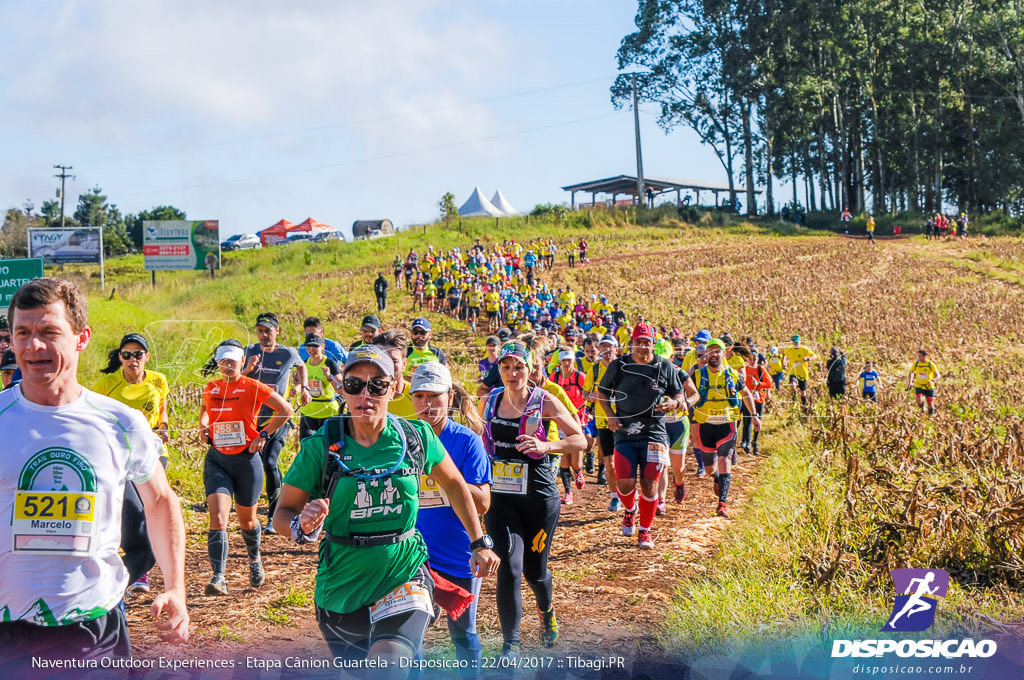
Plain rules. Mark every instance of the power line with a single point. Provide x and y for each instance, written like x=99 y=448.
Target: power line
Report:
x=342 y=124
x=357 y=161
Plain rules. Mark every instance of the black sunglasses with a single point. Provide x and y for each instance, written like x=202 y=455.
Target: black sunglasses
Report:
x=377 y=387
x=5 y=338
x=137 y=354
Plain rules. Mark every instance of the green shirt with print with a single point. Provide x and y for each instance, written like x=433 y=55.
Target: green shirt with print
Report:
x=350 y=577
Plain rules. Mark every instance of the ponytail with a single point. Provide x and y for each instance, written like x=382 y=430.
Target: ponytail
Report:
x=113 y=361
x=463 y=406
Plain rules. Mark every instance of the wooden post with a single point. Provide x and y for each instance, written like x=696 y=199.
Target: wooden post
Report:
x=154 y=277
x=495 y=223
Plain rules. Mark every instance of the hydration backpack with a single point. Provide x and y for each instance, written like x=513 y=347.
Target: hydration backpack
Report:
x=534 y=407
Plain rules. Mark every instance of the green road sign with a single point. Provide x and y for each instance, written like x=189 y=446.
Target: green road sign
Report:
x=14 y=274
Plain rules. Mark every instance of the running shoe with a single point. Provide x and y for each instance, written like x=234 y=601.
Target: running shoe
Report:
x=628 y=520
x=661 y=509
x=701 y=474
x=754 y=450
x=269 y=529
x=580 y=481
x=745 y=446
x=549 y=627
x=588 y=462
x=601 y=479
x=644 y=540
x=256 y=573
x=510 y=655
x=217 y=585
x=723 y=510
x=680 y=492
x=141 y=585
x=567 y=498
x=615 y=504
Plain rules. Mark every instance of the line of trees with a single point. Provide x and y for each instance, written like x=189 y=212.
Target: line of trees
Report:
x=122 y=234
x=875 y=105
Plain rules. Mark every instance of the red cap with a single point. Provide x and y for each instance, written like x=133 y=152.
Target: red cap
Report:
x=643 y=330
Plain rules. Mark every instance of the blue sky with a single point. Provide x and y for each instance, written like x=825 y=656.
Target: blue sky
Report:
x=248 y=112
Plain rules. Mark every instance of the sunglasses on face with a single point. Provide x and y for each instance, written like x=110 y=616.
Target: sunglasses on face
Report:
x=5 y=338
x=419 y=332
x=377 y=387
x=137 y=354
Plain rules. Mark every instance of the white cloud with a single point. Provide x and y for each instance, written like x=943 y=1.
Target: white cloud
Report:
x=149 y=74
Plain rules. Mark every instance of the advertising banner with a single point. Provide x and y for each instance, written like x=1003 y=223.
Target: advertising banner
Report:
x=14 y=274
x=82 y=245
x=181 y=244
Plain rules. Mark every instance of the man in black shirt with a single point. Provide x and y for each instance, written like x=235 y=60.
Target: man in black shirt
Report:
x=640 y=388
x=380 y=289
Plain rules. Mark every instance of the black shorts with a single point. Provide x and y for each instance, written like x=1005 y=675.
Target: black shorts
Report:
x=351 y=635
x=239 y=475
x=606 y=438
x=102 y=637
x=930 y=394
x=492 y=315
x=718 y=440
x=873 y=396
x=474 y=311
x=800 y=384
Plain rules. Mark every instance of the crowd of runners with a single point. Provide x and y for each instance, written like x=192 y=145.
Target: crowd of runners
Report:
x=414 y=486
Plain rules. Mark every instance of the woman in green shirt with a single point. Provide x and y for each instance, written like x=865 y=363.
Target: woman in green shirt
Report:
x=374 y=591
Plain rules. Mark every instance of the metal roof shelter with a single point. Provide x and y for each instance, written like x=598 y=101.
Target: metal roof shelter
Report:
x=626 y=184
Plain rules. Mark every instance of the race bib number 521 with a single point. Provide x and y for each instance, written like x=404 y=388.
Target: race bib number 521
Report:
x=54 y=522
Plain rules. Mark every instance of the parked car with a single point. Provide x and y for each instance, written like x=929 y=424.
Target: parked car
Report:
x=241 y=242
x=325 y=236
x=301 y=236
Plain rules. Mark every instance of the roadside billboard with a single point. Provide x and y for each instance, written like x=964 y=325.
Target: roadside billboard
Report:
x=81 y=245
x=180 y=244
x=14 y=274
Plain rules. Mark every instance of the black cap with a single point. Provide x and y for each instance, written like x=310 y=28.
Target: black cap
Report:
x=314 y=339
x=4 y=326
x=371 y=321
x=504 y=334
x=8 y=362
x=134 y=337
x=268 y=319
x=492 y=340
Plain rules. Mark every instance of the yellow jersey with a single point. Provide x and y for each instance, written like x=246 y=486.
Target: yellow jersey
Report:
x=799 y=359
x=924 y=374
x=716 y=410
x=593 y=379
x=401 y=405
x=147 y=396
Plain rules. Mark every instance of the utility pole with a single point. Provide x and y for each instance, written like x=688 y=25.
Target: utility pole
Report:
x=63 y=176
x=639 y=158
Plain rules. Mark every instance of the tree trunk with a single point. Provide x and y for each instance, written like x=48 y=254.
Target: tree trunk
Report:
x=748 y=159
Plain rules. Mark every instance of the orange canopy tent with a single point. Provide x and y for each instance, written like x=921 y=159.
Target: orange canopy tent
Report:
x=276 y=233
x=310 y=225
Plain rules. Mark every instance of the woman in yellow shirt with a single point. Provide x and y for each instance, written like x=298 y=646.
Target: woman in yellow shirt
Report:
x=128 y=381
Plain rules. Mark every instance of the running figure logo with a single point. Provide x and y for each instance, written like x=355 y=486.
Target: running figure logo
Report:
x=918 y=590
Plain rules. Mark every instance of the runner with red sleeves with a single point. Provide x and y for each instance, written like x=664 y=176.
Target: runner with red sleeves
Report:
x=571 y=379
x=760 y=383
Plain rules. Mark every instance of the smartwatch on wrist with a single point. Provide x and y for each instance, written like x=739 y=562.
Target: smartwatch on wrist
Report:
x=484 y=541
x=264 y=435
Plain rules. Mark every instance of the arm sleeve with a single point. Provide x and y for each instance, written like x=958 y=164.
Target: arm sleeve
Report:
x=333 y=366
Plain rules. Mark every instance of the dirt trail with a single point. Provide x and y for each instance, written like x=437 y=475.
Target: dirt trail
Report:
x=609 y=595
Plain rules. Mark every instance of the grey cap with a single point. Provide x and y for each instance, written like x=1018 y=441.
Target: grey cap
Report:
x=372 y=354
x=8 y=362
x=431 y=377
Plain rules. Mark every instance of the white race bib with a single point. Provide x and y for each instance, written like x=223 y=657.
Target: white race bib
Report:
x=53 y=522
x=406 y=597
x=228 y=433
x=657 y=453
x=315 y=388
x=507 y=477
x=432 y=495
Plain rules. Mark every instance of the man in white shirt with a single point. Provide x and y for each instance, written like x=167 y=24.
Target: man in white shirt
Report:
x=68 y=453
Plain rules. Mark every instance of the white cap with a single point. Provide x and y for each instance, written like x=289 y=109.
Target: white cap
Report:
x=566 y=354
x=230 y=352
x=431 y=377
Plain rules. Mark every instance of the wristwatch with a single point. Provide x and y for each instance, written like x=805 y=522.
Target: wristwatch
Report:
x=264 y=435
x=484 y=541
